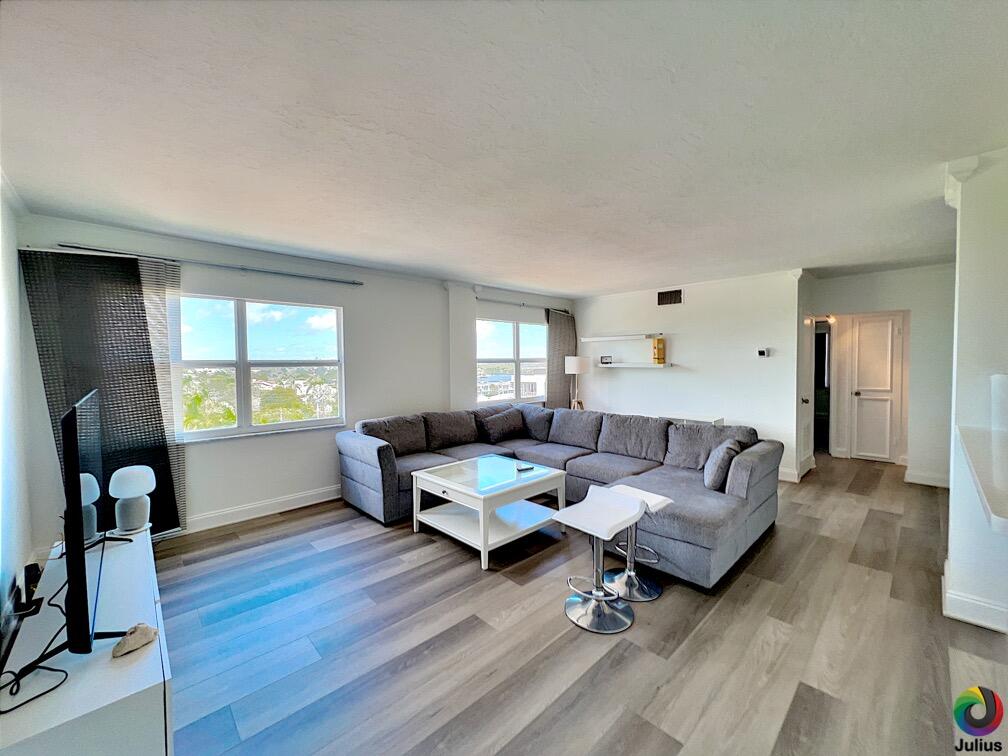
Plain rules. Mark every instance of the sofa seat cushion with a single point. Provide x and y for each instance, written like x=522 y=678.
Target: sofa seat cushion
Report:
x=576 y=428
x=690 y=444
x=469 y=451
x=519 y=443
x=405 y=433
x=446 y=429
x=551 y=455
x=606 y=468
x=410 y=463
x=634 y=436
x=696 y=515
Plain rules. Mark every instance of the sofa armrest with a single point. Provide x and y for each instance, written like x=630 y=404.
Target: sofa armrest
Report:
x=751 y=466
x=369 y=461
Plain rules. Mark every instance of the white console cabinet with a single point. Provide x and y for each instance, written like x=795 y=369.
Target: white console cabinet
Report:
x=107 y=706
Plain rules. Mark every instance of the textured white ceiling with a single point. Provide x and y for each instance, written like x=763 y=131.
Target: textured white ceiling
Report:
x=571 y=148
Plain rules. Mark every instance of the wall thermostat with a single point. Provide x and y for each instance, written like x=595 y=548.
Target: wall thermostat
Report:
x=763 y=352
x=605 y=359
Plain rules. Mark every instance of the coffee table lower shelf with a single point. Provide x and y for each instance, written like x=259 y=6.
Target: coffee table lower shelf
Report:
x=507 y=523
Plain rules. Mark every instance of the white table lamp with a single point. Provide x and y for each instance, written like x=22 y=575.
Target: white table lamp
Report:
x=90 y=492
x=576 y=366
x=130 y=485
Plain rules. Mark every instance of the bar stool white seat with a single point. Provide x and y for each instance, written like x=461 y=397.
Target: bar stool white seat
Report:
x=602 y=514
x=626 y=582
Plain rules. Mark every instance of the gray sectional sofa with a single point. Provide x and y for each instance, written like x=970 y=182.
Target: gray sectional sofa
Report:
x=697 y=538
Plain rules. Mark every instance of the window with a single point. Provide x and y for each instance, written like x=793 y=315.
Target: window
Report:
x=242 y=366
x=510 y=353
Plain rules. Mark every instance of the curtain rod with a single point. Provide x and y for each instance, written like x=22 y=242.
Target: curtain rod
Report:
x=520 y=304
x=69 y=248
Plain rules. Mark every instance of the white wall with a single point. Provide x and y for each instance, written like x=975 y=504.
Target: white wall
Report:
x=404 y=352
x=975 y=584
x=15 y=519
x=711 y=338
x=927 y=293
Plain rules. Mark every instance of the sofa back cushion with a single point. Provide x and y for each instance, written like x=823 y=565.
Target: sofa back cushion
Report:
x=634 y=436
x=537 y=420
x=576 y=428
x=405 y=433
x=446 y=429
x=481 y=413
x=689 y=445
x=502 y=426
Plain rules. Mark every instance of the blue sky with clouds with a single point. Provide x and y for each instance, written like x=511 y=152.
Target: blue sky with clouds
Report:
x=495 y=339
x=275 y=332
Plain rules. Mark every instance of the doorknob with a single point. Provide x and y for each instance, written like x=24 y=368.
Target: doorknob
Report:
x=857 y=393
x=804 y=400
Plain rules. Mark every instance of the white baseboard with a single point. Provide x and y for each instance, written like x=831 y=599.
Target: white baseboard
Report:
x=926 y=478
x=230 y=515
x=788 y=474
x=973 y=609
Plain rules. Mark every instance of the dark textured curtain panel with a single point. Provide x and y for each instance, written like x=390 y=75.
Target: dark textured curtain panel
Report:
x=561 y=342
x=91 y=329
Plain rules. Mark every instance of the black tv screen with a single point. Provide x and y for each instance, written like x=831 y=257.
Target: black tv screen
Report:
x=81 y=431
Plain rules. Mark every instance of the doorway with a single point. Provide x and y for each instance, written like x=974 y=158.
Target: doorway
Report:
x=821 y=387
x=859 y=377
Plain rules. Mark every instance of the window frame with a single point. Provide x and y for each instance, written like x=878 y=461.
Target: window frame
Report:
x=243 y=368
x=516 y=359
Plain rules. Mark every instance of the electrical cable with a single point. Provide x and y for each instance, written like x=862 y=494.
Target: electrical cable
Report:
x=14 y=685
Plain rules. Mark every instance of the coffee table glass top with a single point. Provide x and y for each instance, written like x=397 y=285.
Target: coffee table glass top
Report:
x=488 y=474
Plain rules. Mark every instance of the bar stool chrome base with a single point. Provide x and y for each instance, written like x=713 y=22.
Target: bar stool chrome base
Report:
x=599 y=616
x=631 y=586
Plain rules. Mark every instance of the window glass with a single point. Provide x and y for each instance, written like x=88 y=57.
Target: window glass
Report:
x=495 y=381
x=209 y=398
x=532 y=340
x=533 y=379
x=208 y=329
x=291 y=332
x=494 y=340
x=286 y=394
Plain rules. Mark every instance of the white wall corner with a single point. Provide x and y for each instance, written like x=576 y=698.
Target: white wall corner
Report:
x=797 y=273
x=806 y=464
x=972 y=609
x=14 y=200
x=788 y=475
x=926 y=477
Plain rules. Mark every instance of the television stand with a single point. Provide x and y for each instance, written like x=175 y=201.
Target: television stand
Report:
x=106 y=705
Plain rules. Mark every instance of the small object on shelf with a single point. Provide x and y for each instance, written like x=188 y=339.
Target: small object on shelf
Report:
x=658 y=350
x=130 y=485
x=763 y=352
x=136 y=637
x=605 y=359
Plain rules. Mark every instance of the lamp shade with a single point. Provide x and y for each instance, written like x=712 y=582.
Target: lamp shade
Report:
x=135 y=480
x=90 y=491
x=576 y=365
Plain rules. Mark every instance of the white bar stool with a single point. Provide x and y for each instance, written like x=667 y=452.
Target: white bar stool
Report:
x=626 y=582
x=602 y=514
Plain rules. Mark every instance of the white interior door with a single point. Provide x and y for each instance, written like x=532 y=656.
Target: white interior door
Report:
x=876 y=385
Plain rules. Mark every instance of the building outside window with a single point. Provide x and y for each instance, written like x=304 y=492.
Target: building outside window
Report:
x=510 y=361
x=242 y=366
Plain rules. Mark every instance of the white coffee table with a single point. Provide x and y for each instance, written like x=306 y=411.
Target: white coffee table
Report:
x=487 y=505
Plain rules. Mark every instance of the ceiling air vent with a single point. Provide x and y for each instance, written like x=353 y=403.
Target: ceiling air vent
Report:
x=672 y=296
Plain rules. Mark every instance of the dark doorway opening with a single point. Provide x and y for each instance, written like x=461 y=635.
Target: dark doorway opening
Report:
x=821 y=423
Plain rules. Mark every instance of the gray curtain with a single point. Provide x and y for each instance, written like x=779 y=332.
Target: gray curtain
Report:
x=561 y=342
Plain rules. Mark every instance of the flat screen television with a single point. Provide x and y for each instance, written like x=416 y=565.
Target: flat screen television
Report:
x=81 y=431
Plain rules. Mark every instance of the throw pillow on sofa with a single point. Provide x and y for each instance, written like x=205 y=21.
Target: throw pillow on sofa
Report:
x=715 y=471
x=502 y=426
x=537 y=420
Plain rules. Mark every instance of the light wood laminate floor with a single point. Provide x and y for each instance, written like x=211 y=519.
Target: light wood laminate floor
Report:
x=320 y=631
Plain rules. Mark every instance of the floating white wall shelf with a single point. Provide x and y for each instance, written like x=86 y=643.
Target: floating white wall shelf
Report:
x=635 y=365
x=625 y=337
